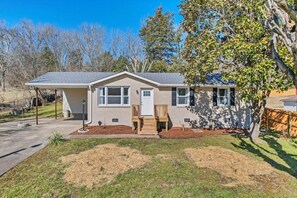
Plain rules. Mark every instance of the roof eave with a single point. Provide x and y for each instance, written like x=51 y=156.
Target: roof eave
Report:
x=57 y=85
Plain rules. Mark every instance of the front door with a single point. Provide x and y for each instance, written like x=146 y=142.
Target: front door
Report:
x=147 y=102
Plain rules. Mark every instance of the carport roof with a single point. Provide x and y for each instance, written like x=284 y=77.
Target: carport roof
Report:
x=84 y=79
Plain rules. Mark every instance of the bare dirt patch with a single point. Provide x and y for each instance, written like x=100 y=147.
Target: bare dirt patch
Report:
x=107 y=130
x=100 y=165
x=238 y=168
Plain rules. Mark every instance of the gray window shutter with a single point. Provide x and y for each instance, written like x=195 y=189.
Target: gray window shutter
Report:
x=232 y=96
x=192 y=97
x=173 y=96
x=215 y=97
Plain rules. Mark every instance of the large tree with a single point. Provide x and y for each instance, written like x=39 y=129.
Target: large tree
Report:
x=6 y=57
x=92 y=42
x=282 y=19
x=29 y=42
x=159 y=36
x=47 y=60
x=229 y=36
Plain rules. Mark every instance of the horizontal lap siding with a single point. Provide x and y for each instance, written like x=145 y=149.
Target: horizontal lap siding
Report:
x=72 y=100
x=163 y=95
x=124 y=114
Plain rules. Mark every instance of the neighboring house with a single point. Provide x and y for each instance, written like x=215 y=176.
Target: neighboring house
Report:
x=290 y=103
x=148 y=99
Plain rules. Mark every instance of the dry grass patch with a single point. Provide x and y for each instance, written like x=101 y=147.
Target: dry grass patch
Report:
x=238 y=168
x=100 y=165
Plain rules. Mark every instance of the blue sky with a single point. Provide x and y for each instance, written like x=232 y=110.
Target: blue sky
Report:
x=69 y=14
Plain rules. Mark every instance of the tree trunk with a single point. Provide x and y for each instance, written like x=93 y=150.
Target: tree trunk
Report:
x=3 y=81
x=255 y=131
x=256 y=124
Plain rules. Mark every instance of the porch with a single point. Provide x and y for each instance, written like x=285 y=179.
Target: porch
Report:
x=148 y=125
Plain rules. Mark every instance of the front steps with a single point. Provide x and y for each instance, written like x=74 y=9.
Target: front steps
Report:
x=148 y=126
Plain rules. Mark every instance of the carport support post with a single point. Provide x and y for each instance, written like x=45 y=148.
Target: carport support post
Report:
x=36 y=105
x=56 y=104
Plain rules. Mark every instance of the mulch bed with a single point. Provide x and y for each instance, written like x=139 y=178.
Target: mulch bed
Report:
x=179 y=133
x=107 y=130
x=173 y=133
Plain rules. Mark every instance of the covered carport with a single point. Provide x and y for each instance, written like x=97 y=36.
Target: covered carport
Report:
x=73 y=97
x=76 y=87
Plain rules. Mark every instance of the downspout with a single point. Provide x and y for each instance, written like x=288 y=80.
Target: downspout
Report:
x=90 y=114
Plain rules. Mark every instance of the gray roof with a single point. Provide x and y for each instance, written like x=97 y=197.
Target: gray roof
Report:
x=90 y=77
x=290 y=99
x=216 y=79
x=71 y=77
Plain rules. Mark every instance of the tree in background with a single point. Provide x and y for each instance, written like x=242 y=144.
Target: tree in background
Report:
x=75 y=60
x=139 y=66
x=230 y=37
x=47 y=60
x=105 y=61
x=33 y=50
x=91 y=39
x=159 y=38
x=120 y=64
x=29 y=40
x=7 y=58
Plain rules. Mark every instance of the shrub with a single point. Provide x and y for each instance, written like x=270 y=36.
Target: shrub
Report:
x=56 y=138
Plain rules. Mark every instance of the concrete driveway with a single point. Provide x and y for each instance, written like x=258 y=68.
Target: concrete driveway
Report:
x=18 y=144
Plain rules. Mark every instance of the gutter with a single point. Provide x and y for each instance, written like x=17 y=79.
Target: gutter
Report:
x=198 y=85
x=57 y=85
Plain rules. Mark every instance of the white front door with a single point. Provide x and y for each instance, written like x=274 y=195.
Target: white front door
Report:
x=147 y=102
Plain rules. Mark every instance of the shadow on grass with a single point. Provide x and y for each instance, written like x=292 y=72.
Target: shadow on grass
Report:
x=278 y=151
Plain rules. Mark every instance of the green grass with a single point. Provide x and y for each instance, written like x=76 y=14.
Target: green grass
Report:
x=41 y=175
x=48 y=111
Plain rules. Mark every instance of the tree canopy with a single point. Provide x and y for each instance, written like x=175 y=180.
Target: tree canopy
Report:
x=230 y=37
x=281 y=16
x=159 y=36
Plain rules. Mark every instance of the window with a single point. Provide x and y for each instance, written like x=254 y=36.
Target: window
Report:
x=223 y=97
x=126 y=96
x=101 y=95
x=146 y=93
x=113 y=96
x=183 y=96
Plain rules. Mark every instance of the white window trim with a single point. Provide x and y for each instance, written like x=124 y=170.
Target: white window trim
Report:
x=188 y=95
x=228 y=97
x=106 y=96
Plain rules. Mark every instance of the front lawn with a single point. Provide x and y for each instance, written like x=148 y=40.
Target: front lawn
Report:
x=176 y=176
x=48 y=111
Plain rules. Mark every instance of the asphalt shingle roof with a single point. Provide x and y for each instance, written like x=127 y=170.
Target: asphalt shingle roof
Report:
x=290 y=99
x=71 y=77
x=89 y=77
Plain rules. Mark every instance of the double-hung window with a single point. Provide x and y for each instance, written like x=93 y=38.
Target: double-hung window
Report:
x=223 y=97
x=183 y=96
x=113 y=96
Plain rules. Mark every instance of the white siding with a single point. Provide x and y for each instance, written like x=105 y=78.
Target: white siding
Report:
x=290 y=106
x=202 y=113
